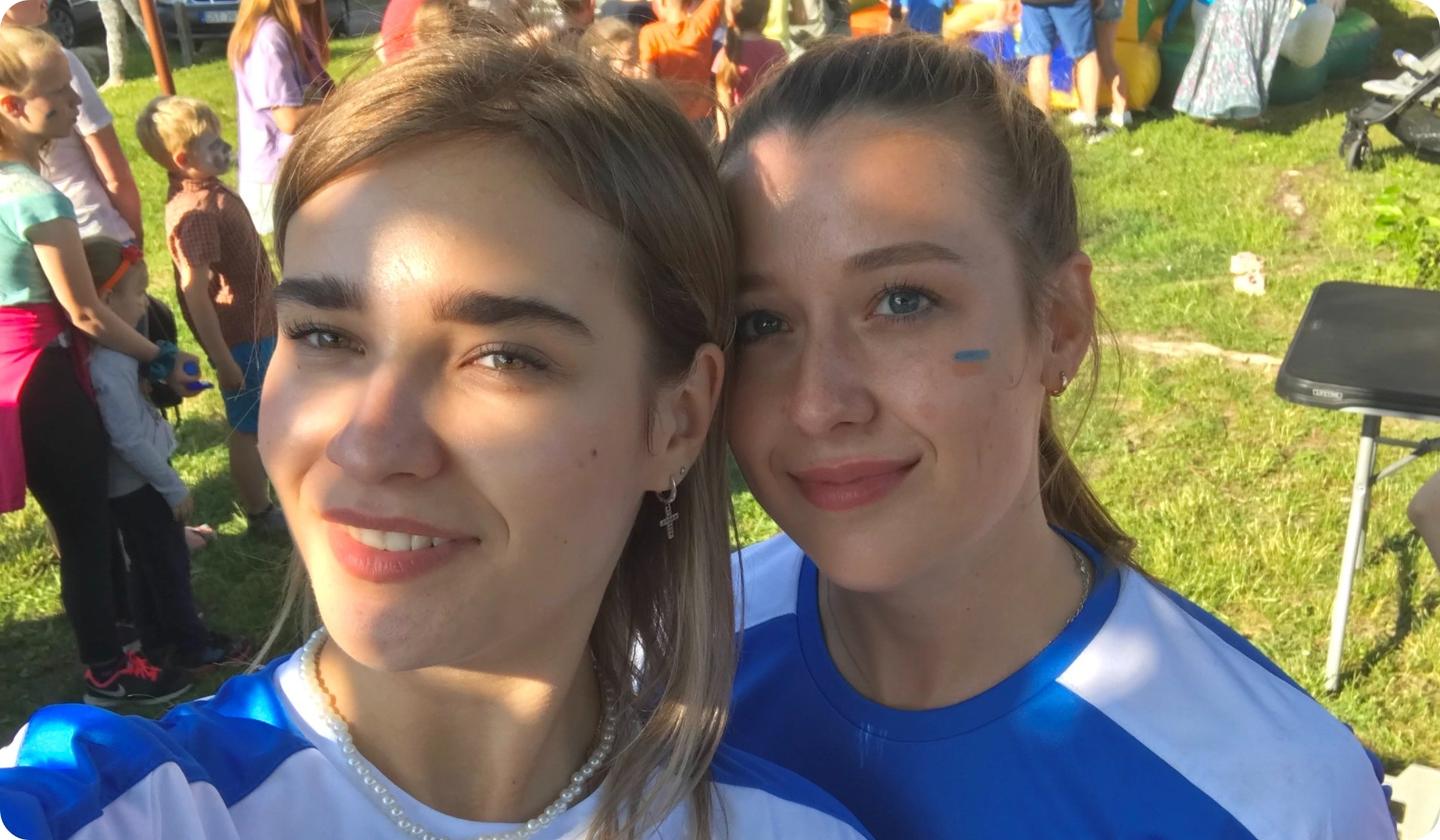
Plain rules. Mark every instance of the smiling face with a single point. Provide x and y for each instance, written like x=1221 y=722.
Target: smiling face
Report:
x=889 y=382
x=455 y=419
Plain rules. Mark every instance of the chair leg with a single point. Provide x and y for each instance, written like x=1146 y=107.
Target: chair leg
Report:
x=1354 y=547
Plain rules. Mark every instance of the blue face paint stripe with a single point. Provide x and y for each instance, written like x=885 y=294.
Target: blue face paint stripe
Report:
x=972 y=355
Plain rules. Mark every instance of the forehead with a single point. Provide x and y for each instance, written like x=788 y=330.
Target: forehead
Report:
x=432 y=219
x=859 y=182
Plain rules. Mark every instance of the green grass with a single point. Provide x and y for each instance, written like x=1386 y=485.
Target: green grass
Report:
x=1239 y=500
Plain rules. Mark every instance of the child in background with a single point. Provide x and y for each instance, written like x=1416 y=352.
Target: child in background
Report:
x=746 y=56
x=51 y=436
x=1107 y=28
x=1425 y=513
x=612 y=42
x=676 y=49
x=1071 y=23
x=148 y=500
x=223 y=274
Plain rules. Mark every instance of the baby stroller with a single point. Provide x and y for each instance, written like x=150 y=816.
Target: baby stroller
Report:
x=1407 y=105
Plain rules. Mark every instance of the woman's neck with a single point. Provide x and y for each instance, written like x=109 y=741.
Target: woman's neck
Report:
x=964 y=625
x=478 y=746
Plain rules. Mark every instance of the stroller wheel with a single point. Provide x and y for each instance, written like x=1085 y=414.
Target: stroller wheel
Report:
x=1355 y=149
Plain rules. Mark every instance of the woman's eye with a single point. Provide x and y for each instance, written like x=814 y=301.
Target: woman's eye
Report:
x=508 y=360
x=756 y=325
x=502 y=361
x=902 y=302
x=319 y=338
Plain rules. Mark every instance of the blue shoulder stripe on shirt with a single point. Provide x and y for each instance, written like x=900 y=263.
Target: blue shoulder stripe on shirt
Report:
x=741 y=769
x=75 y=760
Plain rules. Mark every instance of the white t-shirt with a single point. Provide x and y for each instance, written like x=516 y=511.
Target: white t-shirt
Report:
x=257 y=761
x=67 y=164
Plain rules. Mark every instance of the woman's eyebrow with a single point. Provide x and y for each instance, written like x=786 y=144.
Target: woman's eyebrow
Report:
x=485 y=309
x=322 y=291
x=902 y=253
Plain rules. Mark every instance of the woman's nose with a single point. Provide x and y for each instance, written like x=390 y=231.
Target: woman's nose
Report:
x=829 y=388
x=387 y=433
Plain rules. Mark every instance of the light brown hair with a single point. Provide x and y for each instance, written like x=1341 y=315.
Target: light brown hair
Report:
x=22 y=50
x=290 y=14
x=621 y=150
x=168 y=125
x=1025 y=170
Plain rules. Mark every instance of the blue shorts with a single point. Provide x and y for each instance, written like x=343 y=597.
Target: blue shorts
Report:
x=242 y=407
x=1073 y=24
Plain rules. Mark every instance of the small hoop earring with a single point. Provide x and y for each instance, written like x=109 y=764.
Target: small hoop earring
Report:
x=667 y=498
x=1064 y=383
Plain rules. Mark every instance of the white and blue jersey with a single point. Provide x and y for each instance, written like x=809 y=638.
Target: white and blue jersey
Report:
x=256 y=762
x=1145 y=718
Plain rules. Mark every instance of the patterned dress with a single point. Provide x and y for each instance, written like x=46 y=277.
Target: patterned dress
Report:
x=1228 y=77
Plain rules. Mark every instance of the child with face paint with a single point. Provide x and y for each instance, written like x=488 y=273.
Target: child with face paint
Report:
x=51 y=437
x=952 y=636
x=88 y=164
x=223 y=276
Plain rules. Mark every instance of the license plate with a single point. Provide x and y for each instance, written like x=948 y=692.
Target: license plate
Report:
x=218 y=17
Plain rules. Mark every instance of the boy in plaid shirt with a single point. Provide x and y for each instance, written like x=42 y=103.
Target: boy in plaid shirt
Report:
x=224 y=278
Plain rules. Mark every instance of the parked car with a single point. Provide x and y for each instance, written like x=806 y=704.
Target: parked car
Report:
x=212 y=19
x=69 y=19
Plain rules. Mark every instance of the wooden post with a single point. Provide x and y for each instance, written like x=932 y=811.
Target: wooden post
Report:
x=157 y=47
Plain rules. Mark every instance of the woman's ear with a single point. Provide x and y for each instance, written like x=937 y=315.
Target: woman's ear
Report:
x=1070 y=321
x=13 y=105
x=682 y=416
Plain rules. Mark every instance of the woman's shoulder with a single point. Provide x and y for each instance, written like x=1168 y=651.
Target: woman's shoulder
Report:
x=74 y=767
x=760 y=800
x=766 y=576
x=1197 y=695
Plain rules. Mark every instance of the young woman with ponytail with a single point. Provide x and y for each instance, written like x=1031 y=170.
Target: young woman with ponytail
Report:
x=952 y=636
x=746 y=56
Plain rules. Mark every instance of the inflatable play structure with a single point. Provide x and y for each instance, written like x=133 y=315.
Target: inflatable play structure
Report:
x=1324 y=41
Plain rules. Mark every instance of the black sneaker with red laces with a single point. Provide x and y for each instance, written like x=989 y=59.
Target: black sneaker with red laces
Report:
x=133 y=680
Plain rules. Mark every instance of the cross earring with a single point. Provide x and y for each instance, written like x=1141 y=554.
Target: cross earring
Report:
x=667 y=498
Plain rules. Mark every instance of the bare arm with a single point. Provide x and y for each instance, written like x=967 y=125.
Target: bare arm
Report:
x=195 y=286
x=722 y=108
x=289 y=119
x=114 y=169
x=62 y=258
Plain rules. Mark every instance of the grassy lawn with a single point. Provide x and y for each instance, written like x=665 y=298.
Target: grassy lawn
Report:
x=1238 y=499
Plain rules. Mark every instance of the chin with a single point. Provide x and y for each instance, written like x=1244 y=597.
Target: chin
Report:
x=862 y=560
x=382 y=642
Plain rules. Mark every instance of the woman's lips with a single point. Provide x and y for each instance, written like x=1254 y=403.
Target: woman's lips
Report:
x=852 y=484
x=379 y=565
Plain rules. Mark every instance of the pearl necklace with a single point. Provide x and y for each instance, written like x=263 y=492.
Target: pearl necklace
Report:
x=385 y=800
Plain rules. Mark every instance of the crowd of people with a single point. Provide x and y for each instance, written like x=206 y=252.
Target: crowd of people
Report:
x=530 y=311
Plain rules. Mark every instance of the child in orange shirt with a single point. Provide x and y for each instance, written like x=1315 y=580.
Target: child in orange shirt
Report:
x=677 y=49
